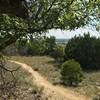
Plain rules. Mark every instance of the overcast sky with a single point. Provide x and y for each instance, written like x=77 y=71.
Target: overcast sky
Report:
x=69 y=34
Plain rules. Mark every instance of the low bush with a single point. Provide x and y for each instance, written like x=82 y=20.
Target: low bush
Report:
x=71 y=73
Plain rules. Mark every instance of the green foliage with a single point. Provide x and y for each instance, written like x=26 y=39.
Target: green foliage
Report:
x=85 y=50
x=31 y=46
x=36 y=46
x=45 y=15
x=64 y=14
x=58 y=53
x=11 y=28
x=50 y=44
x=71 y=72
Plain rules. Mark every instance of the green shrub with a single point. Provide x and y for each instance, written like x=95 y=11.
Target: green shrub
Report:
x=85 y=50
x=50 y=44
x=36 y=46
x=33 y=48
x=71 y=73
x=58 y=53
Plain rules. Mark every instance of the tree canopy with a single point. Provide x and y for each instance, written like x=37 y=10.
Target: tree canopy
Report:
x=44 y=15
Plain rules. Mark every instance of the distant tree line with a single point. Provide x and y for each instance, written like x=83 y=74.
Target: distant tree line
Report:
x=40 y=46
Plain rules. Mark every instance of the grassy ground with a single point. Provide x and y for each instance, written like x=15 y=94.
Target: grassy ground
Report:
x=45 y=65
x=24 y=90
x=51 y=71
x=90 y=85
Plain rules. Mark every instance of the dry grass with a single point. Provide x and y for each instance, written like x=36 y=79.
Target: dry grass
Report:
x=44 y=65
x=90 y=85
x=47 y=67
x=24 y=90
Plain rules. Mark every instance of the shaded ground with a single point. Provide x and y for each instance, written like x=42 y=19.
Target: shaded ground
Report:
x=21 y=88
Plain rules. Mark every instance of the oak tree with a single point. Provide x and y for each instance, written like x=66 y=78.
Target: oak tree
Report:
x=21 y=17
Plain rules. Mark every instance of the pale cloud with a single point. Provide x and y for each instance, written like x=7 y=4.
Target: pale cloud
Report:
x=69 y=34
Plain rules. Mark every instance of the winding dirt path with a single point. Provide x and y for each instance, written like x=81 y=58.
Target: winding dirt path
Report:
x=51 y=91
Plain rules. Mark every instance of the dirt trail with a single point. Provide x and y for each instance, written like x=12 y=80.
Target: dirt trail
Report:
x=53 y=92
